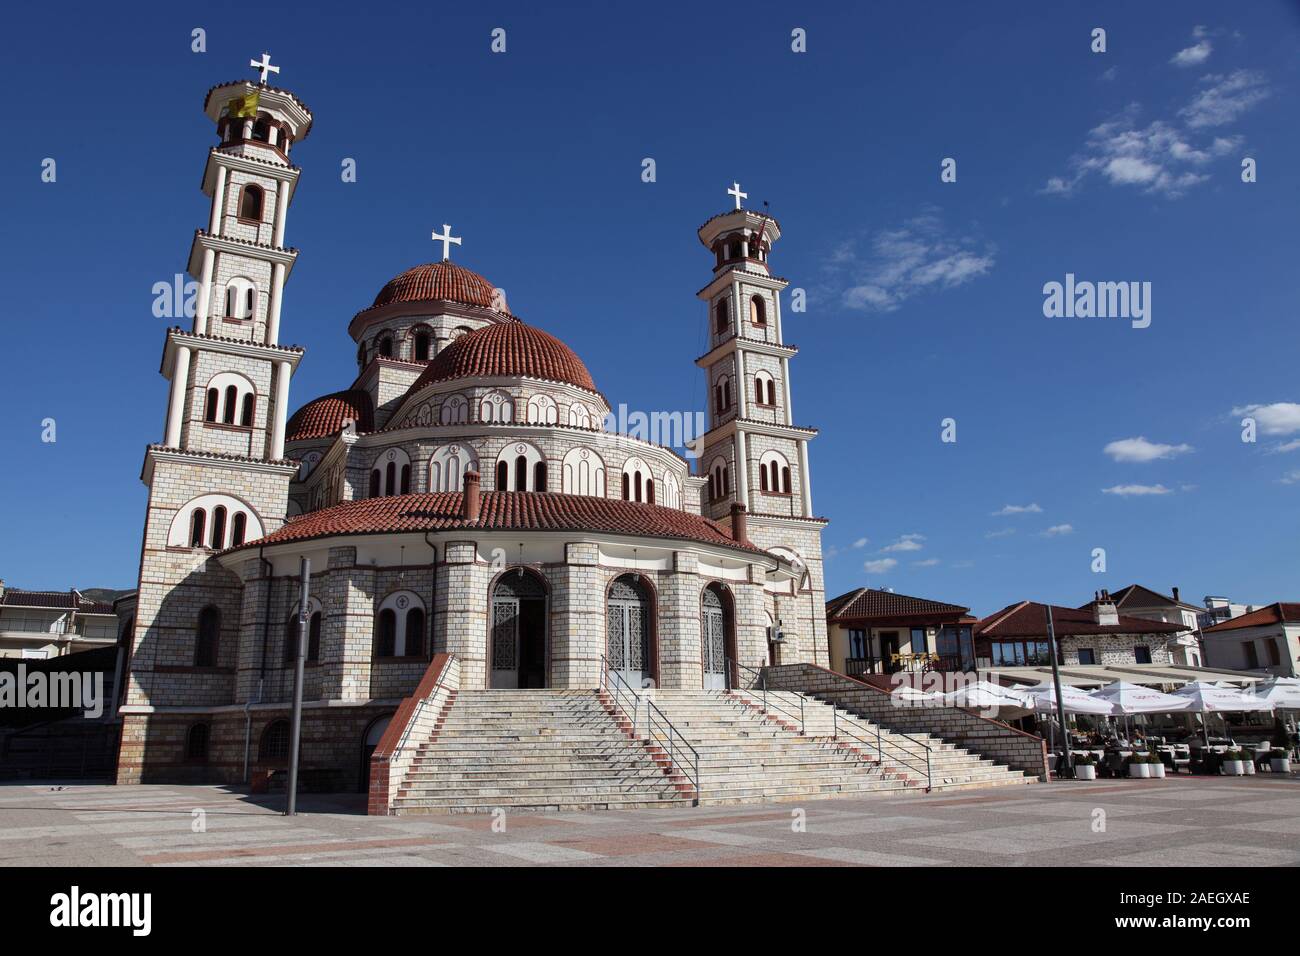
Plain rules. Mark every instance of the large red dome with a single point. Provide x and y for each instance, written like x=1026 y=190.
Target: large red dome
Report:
x=439 y=281
x=324 y=416
x=507 y=350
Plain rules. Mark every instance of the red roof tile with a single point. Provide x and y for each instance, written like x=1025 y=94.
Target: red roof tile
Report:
x=325 y=415
x=438 y=281
x=874 y=603
x=1029 y=619
x=59 y=600
x=1277 y=613
x=507 y=350
x=502 y=511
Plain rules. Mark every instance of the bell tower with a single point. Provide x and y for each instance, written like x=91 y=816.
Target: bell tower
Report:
x=219 y=478
x=754 y=453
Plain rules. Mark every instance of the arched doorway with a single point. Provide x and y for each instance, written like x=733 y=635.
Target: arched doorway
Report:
x=518 y=638
x=717 y=635
x=369 y=741
x=629 y=629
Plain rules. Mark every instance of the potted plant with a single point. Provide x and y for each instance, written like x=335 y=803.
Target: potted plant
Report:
x=1085 y=768
x=1138 y=766
x=1233 y=764
x=1279 y=761
x=1156 y=764
x=1248 y=761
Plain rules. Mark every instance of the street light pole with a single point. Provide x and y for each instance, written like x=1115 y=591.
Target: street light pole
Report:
x=295 y=732
x=1067 y=764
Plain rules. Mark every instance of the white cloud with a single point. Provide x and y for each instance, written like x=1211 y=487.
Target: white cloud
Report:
x=1224 y=98
x=1286 y=446
x=927 y=563
x=1194 y=55
x=1291 y=477
x=918 y=256
x=908 y=542
x=1058 y=529
x=860 y=543
x=1001 y=534
x=879 y=566
x=1140 y=450
x=1018 y=510
x=1279 y=418
x=1125 y=491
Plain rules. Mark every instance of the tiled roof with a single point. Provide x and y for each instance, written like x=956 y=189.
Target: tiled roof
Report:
x=325 y=415
x=507 y=350
x=502 y=511
x=438 y=281
x=1281 y=612
x=57 y=600
x=261 y=86
x=1029 y=619
x=872 y=602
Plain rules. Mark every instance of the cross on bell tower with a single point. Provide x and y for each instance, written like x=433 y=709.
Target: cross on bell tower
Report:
x=447 y=240
x=264 y=67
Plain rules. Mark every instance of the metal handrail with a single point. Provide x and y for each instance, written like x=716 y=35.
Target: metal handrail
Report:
x=619 y=690
x=420 y=707
x=881 y=743
x=762 y=682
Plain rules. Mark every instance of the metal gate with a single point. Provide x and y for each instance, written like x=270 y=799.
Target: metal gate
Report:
x=628 y=637
x=713 y=641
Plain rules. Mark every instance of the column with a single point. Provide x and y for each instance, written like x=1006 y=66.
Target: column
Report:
x=742 y=468
x=218 y=203
x=204 y=307
x=742 y=399
x=679 y=624
x=281 y=207
x=273 y=310
x=785 y=390
x=278 y=412
x=806 y=483
x=577 y=617
x=176 y=407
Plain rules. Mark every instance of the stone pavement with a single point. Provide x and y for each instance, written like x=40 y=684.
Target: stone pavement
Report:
x=1187 y=821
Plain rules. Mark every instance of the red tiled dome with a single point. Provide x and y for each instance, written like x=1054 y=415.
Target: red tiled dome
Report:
x=325 y=415
x=507 y=350
x=438 y=281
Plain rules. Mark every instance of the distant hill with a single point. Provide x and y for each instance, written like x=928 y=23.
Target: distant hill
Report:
x=107 y=595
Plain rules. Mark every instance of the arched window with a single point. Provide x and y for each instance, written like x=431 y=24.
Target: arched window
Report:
x=455 y=410
x=672 y=492
x=396 y=633
x=583 y=473
x=721 y=319
x=386 y=347
x=262 y=130
x=196 y=743
x=250 y=202
x=650 y=490
x=273 y=748
x=218 y=527
x=539 y=476
x=232 y=399
x=503 y=476
x=774 y=473
x=375 y=482
x=521 y=473
x=246 y=413
x=395 y=476
x=580 y=416
x=448 y=465
x=542 y=410
x=313 y=637
x=414 y=632
x=638 y=480
x=197 y=520
x=785 y=480
x=520 y=459
x=209 y=636
x=497 y=407
x=210 y=407
x=406 y=480
x=390 y=477
x=758 y=310
x=421 y=351
x=719 y=479
x=764 y=388
x=314 y=621
x=386 y=639
x=238 y=529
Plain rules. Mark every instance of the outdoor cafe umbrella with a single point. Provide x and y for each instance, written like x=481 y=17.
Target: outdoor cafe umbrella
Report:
x=1042 y=697
x=1008 y=703
x=1135 y=699
x=1282 y=692
x=1212 y=699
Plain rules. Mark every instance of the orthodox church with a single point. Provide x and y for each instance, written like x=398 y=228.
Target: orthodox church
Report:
x=462 y=496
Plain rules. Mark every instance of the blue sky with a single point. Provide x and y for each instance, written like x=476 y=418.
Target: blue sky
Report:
x=924 y=298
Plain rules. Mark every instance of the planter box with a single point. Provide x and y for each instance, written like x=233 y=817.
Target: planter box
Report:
x=1085 y=771
x=1139 y=770
x=1280 y=764
x=1234 y=768
x=1157 y=770
x=1248 y=766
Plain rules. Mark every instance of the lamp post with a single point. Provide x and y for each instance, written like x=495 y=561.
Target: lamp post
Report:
x=1067 y=765
x=295 y=731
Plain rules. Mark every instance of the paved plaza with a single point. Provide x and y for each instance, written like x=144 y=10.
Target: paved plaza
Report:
x=1173 y=822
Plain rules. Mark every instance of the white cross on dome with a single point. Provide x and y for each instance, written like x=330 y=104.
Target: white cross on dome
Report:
x=447 y=240
x=264 y=65
x=735 y=191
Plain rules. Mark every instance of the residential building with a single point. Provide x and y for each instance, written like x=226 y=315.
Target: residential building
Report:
x=873 y=631
x=39 y=624
x=1142 y=602
x=1268 y=637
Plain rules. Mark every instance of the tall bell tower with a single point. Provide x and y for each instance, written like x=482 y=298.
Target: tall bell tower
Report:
x=219 y=478
x=754 y=454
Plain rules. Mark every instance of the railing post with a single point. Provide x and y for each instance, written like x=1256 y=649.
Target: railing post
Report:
x=835 y=721
x=762 y=677
x=879 y=752
x=929 y=777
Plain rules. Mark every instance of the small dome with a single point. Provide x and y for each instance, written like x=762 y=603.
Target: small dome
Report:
x=324 y=416
x=507 y=350
x=438 y=281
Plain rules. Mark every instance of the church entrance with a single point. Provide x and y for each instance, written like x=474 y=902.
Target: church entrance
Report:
x=519 y=638
x=715 y=637
x=627 y=623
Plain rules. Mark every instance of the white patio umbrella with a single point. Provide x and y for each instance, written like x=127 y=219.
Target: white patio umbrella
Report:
x=1282 y=692
x=1212 y=699
x=1042 y=698
x=1007 y=702
x=1136 y=699
x=906 y=694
